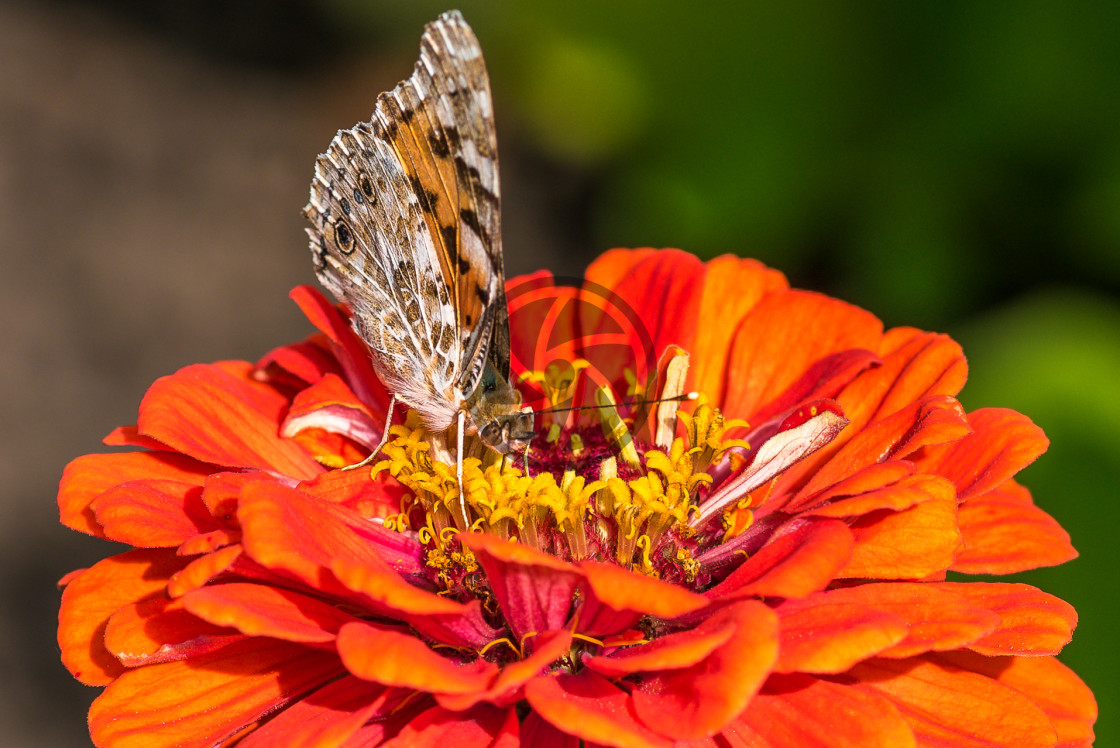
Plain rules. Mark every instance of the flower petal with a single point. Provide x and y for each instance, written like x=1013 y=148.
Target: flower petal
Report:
x=158 y=629
x=328 y=717
x=546 y=648
x=700 y=700
x=822 y=636
x=261 y=610
x=590 y=707
x=617 y=598
x=217 y=413
x=1031 y=621
x=89 y=476
x=799 y=711
x=674 y=651
x=201 y=701
x=801 y=560
x=1003 y=442
x=153 y=513
x=912 y=544
x=202 y=570
x=1004 y=532
x=947 y=705
x=97 y=593
x=306 y=362
x=481 y=727
x=783 y=336
x=393 y=658
x=1053 y=687
x=533 y=589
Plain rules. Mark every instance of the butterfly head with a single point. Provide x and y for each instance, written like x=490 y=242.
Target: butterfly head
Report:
x=496 y=413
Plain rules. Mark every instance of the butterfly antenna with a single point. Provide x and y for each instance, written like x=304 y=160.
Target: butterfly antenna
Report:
x=676 y=398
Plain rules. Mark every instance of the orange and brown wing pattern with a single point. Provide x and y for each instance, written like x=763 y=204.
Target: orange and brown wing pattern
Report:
x=440 y=122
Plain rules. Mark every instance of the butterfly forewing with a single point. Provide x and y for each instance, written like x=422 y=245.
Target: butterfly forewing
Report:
x=406 y=228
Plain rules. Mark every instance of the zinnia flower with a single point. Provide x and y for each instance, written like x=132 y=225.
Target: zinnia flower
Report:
x=763 y=566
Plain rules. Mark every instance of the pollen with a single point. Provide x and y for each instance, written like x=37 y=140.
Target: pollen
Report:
x=596 y=487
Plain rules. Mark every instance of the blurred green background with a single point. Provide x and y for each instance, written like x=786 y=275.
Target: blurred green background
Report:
x=952 y=165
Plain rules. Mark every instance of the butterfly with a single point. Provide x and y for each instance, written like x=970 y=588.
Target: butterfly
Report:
x=405 y=214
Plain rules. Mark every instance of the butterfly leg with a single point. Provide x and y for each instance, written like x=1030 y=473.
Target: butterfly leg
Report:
x=384 y=438
x=460 y=426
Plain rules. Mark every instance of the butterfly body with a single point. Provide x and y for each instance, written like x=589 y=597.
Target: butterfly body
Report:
x=405 y=214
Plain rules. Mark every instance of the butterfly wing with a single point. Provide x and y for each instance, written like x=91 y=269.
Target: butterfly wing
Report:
x=405 y=227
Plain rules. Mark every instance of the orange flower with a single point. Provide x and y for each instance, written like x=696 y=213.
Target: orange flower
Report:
x=767 y=568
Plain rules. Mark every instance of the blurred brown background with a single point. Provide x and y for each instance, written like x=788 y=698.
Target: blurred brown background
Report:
x=954 y=166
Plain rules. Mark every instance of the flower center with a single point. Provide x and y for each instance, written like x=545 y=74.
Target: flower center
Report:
x=594 y=485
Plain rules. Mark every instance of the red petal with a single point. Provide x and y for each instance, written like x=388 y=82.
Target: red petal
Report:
x=591 y=707
x=201 y=701
x=547 y=648
x=330 y=404
x=732 y=287
x=1052 y=686
x=260 y=610
x=1003 y=442
x=89 y=476
x=218 y=414
x=947 y=706
x=782 y=337
x=700 y=700
x=910 y=491
x=396 y=659
x=533 y=589
x=1032 y=622
x=97 y=593
x=796 y=563
x=799 y=711
x=819 y=635
x=307 y=361
x=328 y=717
x=823 y=380
x=128 y=436
x=617 y=598
x=480 y=727
x=912 y=544
x=537 y=733
x=1004 y=532
x=153 y=513
x=160 y=630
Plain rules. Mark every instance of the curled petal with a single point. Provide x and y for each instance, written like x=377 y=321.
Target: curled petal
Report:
x=591 y=707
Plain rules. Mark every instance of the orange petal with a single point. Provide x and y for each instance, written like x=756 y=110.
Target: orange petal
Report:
x=300 y=363
x=911 y=544
x=936 y=420
x=732 y=287
x=201 y=701
x=157 y=629
x=533 y=589
x=260 y=610
x=1052 y=686
x=798 y=562
x=377 y=498
x=907 y=492
x=217 y=413
x=915 y=365
x=590 y=707
x=327 y=718
x=823 y=380
x=671 y=652
x=330 y=404
x=153 y=513
x=97 y=593
x=936 y=618
x=799 y=711
x=1003 y=442
x=819 y=635
x=1031 y=621
x=617 y=598
x=352 y=354
x=396 y=659
x=480 y=727
x=700 y=700
x=783 y=336
x=547 y=648
x=1004 y=532
x=202 y=570
x=949 y=706
x=89 y=476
